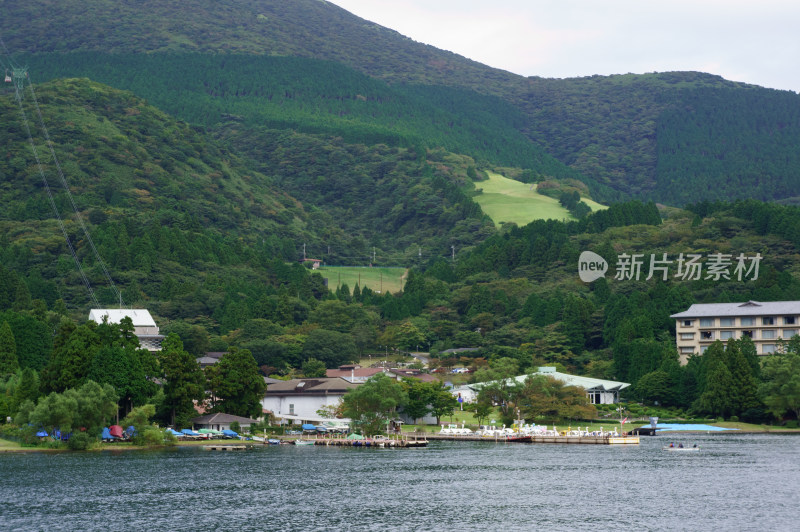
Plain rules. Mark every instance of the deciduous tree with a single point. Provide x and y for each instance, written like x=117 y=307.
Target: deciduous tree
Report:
x=373 y=404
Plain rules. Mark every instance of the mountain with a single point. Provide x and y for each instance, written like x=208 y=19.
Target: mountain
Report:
x=176 y=214
x=675 y=137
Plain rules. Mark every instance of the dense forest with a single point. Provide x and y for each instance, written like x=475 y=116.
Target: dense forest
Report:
x=274 y=128
x=672 y=137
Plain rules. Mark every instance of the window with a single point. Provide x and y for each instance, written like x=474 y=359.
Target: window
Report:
x=688 y=323
x=789 y=320
x=788 y=333
x=706 y=335
x=727 y=322
x=748 y=321
x=291 y=409
x=768 y=334
x=687 y=350
x=725 y=335
x=749 y=334
x=768 y=348
x=706 y=322
x=687 y=336
x=767 y=321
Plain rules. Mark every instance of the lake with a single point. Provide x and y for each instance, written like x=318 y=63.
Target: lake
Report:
x=736 y=482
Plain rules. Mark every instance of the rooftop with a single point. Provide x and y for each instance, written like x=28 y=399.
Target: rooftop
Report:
x=223 y=418
x=355 y=372
x=140 y=317
x=750 y=308
x=587 y=383
x=319 y=386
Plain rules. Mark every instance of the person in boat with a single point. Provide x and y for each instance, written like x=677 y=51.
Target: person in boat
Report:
x=680 y=446
x=672 y=445
x=695 y=446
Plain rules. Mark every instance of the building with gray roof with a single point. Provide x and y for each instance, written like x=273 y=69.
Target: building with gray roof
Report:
x=764 y=322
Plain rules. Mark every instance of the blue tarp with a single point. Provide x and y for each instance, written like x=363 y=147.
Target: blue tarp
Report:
x=190 y=432
x=309 y=426
x=107 y=435
x=228 y=432
x=41 y=434
x=676 y=427
x=174 y=432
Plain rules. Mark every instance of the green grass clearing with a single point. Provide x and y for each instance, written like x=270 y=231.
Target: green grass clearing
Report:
x=377 y=279
x=507 y=200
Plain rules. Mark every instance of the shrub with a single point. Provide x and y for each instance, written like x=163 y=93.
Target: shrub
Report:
x=152 y=436
x=80 y=441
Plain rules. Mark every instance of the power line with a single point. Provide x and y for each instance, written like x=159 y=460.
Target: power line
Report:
x=19 y=76
x=50 y=197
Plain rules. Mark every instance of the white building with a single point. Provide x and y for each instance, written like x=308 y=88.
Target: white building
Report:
x=144 y=326
x=702 y=324
x=599 y=391
x=300 y=399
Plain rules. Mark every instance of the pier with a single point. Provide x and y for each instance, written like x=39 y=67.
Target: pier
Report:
x=392 y=441
x=566 y=439
x=224 y=447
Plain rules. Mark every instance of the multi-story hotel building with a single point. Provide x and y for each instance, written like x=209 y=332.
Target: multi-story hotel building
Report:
x=701 y=325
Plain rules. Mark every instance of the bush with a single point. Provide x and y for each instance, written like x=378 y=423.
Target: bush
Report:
x=152 y=436
x=80 y=441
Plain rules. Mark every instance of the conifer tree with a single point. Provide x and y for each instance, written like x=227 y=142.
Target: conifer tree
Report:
x=184 y=380
x=9 y=364
x=717 y=397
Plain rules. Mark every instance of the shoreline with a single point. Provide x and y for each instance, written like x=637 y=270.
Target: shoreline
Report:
x=8 y=446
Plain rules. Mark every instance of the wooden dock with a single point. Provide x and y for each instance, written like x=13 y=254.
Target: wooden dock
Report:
x=393 y=442
x=225 y=447
x=576 y=440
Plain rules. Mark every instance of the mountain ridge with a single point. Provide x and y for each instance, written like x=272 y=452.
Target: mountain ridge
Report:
x=613 y=130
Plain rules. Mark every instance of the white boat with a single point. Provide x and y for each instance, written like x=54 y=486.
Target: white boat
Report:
x=454 y=429
x=304 y=442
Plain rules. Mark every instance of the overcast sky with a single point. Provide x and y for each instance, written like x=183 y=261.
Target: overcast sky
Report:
x=755 y=41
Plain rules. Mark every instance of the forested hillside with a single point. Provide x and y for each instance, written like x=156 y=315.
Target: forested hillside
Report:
x=174 y=214
x=674 y=137
x=314 y=96
x=272 y=128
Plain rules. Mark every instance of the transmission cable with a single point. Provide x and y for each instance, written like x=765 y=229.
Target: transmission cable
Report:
x=85 y=280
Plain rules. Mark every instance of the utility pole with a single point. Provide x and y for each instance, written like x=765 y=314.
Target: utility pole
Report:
x=373 y=254
x=454 y=252
x=304 y=251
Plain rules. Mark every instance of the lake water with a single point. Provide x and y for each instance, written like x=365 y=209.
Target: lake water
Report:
x=736 y=482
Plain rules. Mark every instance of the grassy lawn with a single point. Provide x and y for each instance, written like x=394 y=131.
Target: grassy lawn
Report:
x=377 y=279
x=7 y=446
x=507 y=200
